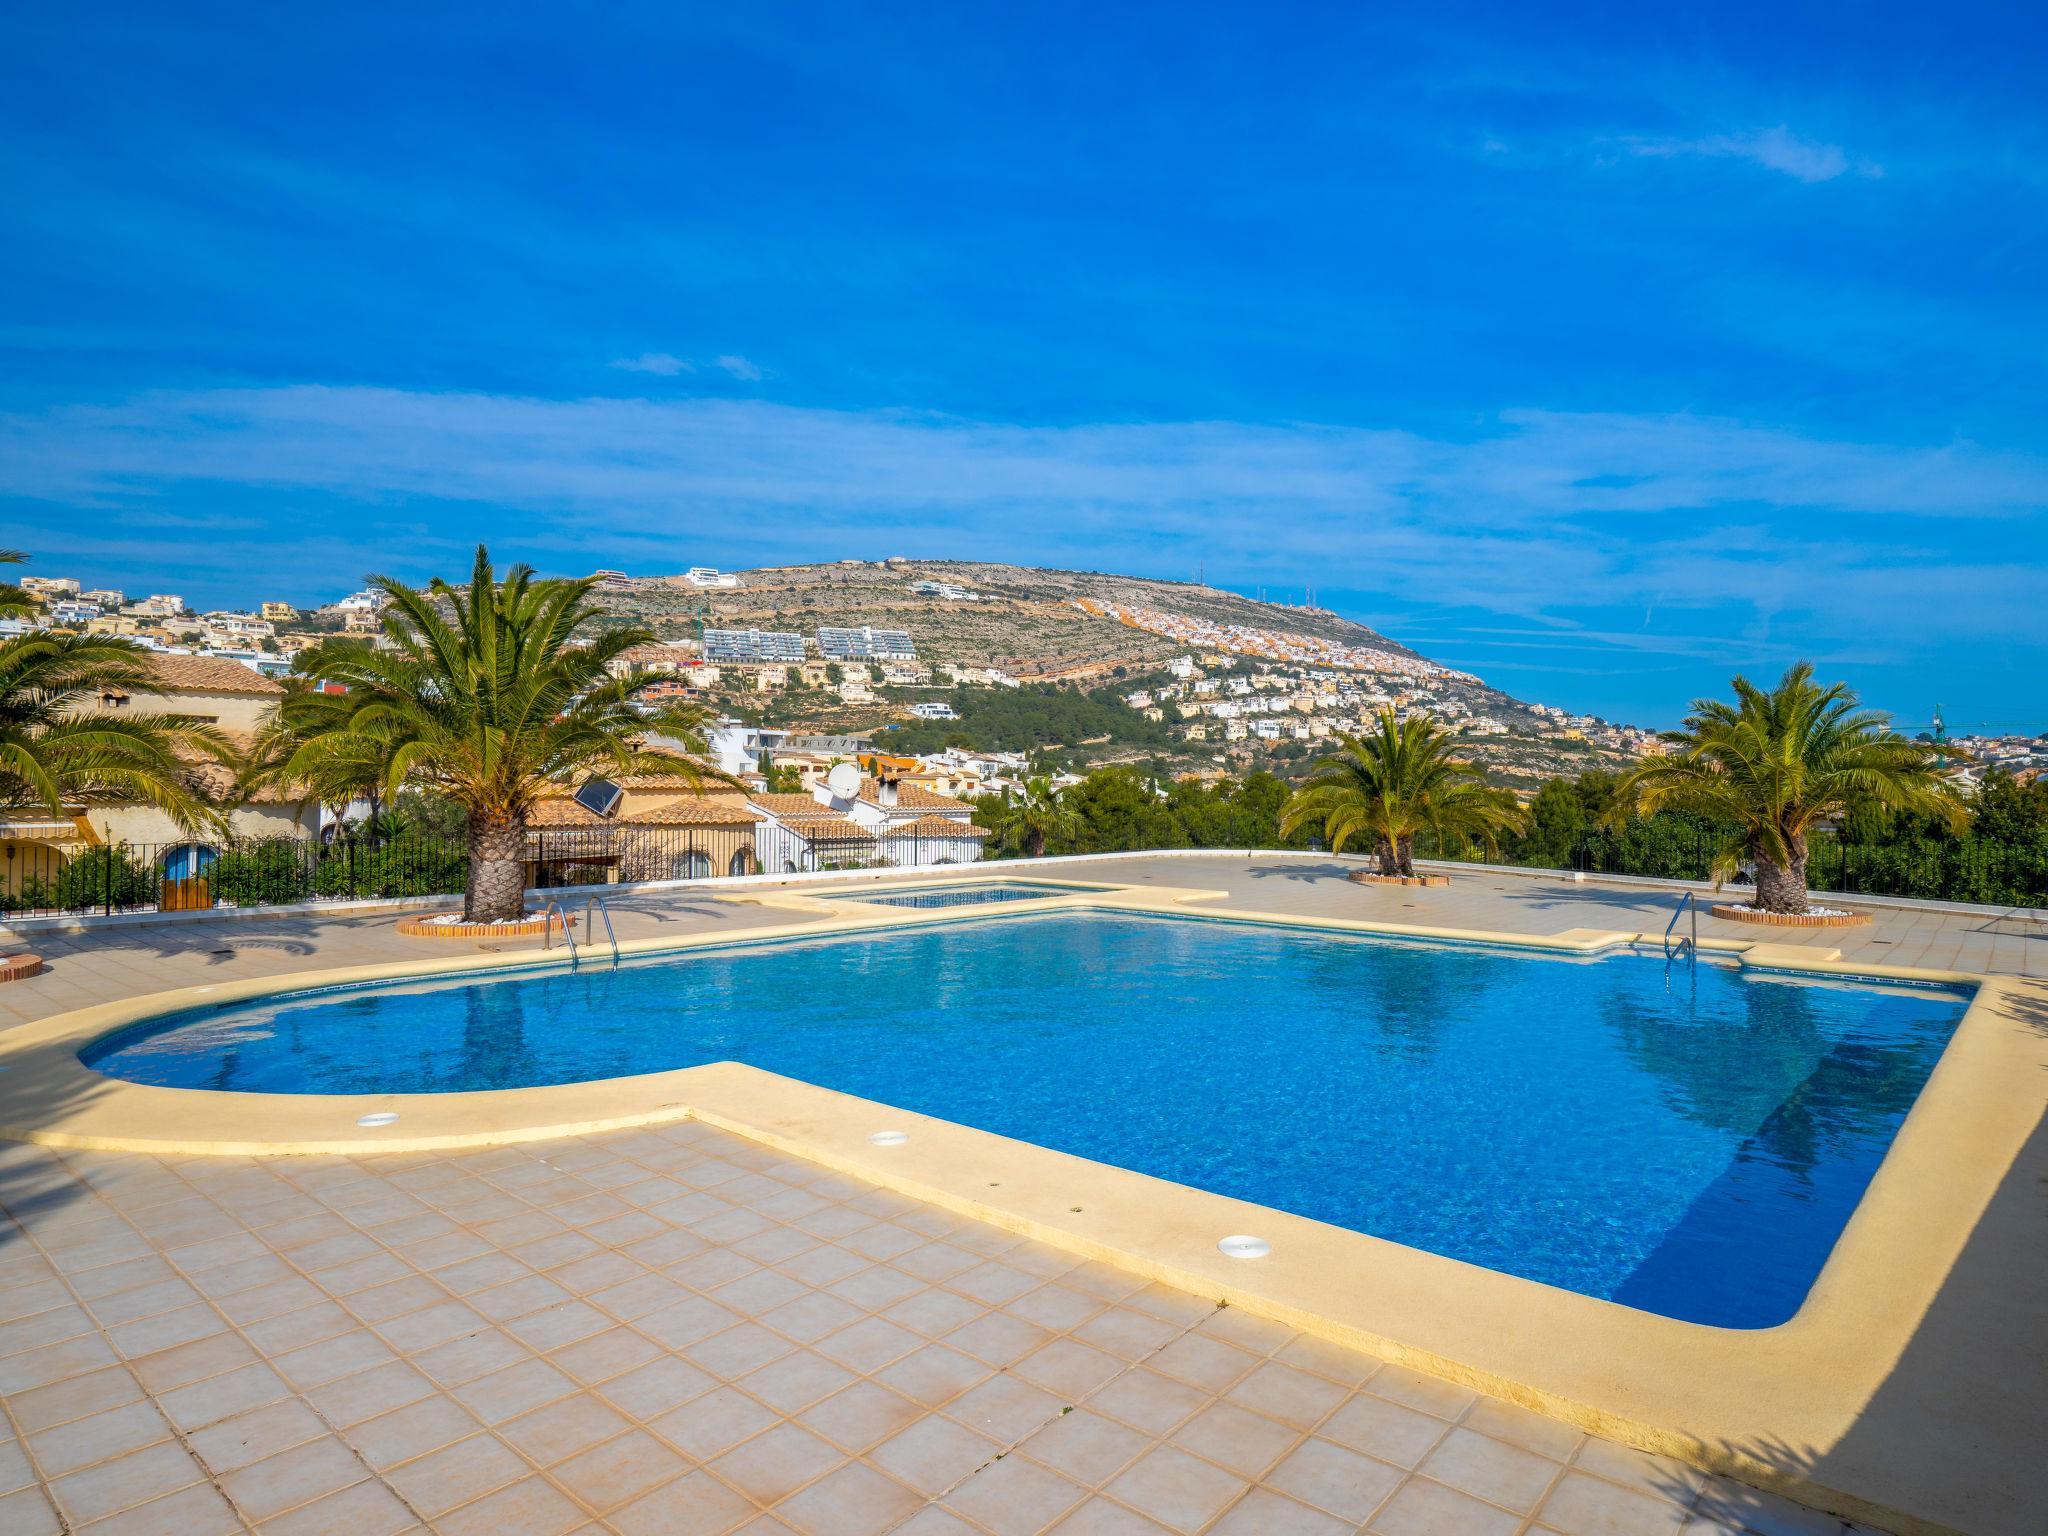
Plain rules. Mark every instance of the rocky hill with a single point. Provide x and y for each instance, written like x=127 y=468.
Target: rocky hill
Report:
x=1053 y=626
x=1025 y=620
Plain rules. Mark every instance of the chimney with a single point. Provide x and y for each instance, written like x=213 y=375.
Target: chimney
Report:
x=887 y=792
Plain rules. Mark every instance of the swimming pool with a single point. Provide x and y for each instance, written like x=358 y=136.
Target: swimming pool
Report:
x=1685 y=1140
x=980 y=893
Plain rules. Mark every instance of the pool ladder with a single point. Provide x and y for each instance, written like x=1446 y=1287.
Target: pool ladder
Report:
x=595 y=905
x=1683 y=945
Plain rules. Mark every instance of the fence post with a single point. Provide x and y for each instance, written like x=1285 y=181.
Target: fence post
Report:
x=109 y=883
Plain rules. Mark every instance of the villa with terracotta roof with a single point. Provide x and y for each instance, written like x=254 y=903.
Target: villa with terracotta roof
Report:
x=211 y=688
x=641 y=826
x=884 y=822
x=222 y=693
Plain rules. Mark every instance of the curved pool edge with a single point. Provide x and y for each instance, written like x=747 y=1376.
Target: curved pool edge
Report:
x=1695 y=1392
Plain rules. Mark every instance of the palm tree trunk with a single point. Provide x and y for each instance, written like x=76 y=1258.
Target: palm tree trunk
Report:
x=1405 y=851
x=1390 y=861
x=1782 y=887
x=1034 y=843
x=497 y=868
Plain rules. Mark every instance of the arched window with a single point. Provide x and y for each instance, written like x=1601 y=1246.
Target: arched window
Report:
x=742 y=862
x=694 y=865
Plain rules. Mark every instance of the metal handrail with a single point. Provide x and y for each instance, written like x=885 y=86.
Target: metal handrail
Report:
x=1684 y=945
x=596 y=903
x=547 y=932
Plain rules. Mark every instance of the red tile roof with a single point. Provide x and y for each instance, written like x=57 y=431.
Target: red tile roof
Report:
x=207 y=674
x=792 y=807
x=912 y=797
x=691 y=811
x=938 y=826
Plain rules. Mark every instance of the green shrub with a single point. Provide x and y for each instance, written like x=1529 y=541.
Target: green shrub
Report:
x=403 y=866
x=268 y=873
x=99 y=875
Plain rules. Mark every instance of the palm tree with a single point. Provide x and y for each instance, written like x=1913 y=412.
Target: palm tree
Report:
x=1774 y=765
x=54 y=750
x=13 y=601
x=1034 y=816
x=267 y=756
x=489 y=697
x=1393 y=782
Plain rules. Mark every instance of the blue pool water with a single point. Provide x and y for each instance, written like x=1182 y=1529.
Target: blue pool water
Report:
x=979 y=894
x=1686 y=1140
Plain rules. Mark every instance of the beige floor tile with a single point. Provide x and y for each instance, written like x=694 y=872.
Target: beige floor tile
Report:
x=416 y=1430
x=457 y=1474
x=1422 y=1508
x=28 y=1512
x=250 y=1437
x=1102 y=1516
x=100 y=1437
x=861 y=1416
x=1150 y=1402
x=618 y=1471
x=776 y=1463
x=1383 y=1429
x=1335 y=1479
x=1492 y=1470
x=851 y=1500
x=934 y=1454
x=1086 y=1447
x=1263 y=1512
x=697 y=1503
x=290 y=1478
x=1015 y=1497
x=196 y=1511
x=1588 y=1506
x=1245 y=1442
x=125 y=1481
x=365 y=1509
x=1175 y=1489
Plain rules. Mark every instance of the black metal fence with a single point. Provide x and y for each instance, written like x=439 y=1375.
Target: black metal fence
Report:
x=43 y=879
x=40 y=879
x=1986 y=874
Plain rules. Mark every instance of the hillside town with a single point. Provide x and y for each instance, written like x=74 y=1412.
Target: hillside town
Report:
x=796 y=702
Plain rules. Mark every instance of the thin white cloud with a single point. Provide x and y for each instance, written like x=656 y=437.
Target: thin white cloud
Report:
x=1544 y=513
x=1776 y=149
x=666 y=364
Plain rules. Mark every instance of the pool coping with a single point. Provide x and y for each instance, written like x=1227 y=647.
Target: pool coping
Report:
x=1716 y=1398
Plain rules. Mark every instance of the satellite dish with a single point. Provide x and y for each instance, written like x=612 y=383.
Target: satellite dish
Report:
x=843 y=780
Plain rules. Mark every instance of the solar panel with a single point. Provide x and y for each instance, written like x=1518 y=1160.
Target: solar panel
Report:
x=599 y=796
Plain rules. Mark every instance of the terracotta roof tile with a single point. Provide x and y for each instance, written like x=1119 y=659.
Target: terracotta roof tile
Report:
x=562 y=813
x=692 y=811
x=912 y=797
x=836 y=829
x=791 y=807
x=938 y=826
x=208 y=674
x=695 y=811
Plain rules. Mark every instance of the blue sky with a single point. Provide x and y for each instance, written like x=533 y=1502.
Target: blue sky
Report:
x=1603 y=351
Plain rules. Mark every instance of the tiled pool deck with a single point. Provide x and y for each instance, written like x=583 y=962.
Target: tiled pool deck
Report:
x=676 y=1330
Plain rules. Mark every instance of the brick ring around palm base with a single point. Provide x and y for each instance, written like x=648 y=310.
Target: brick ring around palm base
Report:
x=428 y=926
x=1364 y=877
x=20 y=967
x=1748 y=914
